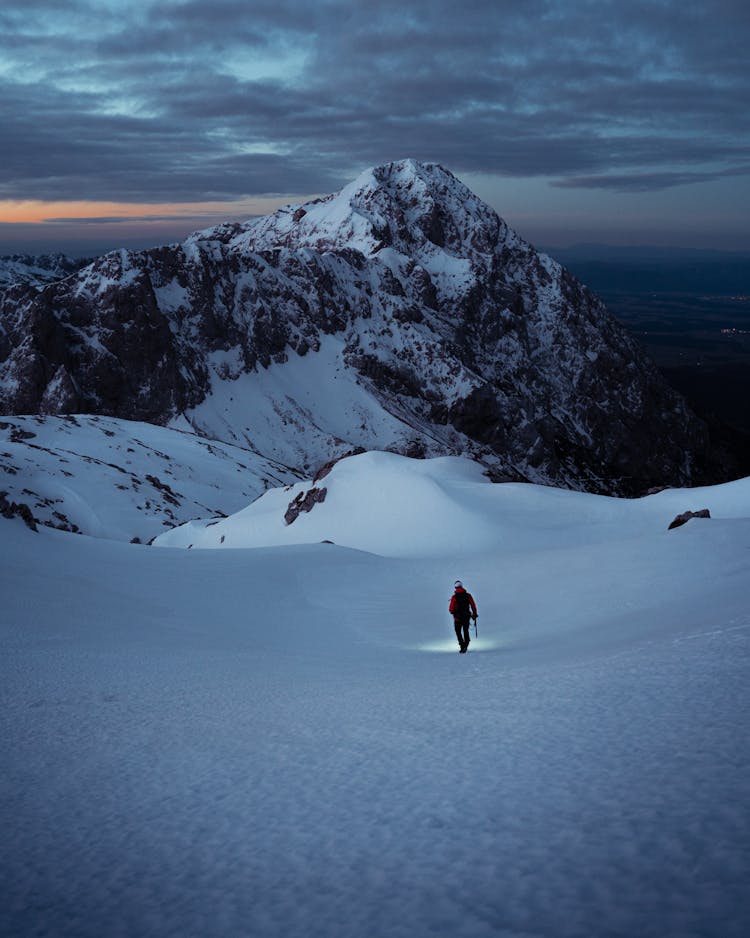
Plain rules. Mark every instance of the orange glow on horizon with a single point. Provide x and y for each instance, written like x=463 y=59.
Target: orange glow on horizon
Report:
x=39 y=212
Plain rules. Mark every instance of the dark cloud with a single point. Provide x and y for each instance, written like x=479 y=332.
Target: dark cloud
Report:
x=647 y=182
x=189 y=101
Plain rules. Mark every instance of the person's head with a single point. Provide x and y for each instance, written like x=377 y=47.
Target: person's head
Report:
x=458 y=585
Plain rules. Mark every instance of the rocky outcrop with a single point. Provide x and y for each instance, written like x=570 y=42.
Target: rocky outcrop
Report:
x=304 y=502
x=687 y=515
x=9 y=509
x=452 y=326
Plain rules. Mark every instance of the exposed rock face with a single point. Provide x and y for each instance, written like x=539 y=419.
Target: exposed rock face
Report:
x=10 y=509
x=305 y=501
x=687 y=515
x=452 y=335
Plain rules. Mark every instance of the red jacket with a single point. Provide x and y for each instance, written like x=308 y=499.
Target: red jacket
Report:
x=452 y=606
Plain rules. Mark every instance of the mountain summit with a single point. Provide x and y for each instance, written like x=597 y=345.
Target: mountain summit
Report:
x=400 y=313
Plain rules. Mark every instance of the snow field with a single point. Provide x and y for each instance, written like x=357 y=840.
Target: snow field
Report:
x=123 y=479
x=401 y=507
x=283 y=740
x=310 y=405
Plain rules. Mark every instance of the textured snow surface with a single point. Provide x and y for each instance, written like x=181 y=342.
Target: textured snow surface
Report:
x=284 y=741
x=121 y=479
x=299 y=412
x=396 y=506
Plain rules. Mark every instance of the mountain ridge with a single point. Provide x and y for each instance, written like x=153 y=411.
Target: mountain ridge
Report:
x=38 y=269
x=447 y=332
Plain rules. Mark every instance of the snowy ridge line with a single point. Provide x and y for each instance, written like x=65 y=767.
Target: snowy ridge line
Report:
x=399 y=507
x=444 y=331
x=37 y=270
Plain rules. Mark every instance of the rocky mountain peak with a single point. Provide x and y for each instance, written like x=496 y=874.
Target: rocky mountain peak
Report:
x=400 y=313
x=417 y=209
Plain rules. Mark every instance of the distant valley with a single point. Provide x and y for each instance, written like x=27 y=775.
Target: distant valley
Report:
x=691 y=311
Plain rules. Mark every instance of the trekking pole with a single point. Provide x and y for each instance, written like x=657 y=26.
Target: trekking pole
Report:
x=476 y=630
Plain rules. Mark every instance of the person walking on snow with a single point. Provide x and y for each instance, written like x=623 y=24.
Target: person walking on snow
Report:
x=462 y=607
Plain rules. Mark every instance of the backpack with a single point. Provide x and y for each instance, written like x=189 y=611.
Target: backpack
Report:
x=461 y=607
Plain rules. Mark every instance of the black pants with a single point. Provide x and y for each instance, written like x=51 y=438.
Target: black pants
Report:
x=462 y=632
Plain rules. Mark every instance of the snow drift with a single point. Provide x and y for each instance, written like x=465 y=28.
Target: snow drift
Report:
x=283 y=740
x=400 y=507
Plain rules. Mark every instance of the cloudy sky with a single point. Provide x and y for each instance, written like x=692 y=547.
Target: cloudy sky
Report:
x=134 y=122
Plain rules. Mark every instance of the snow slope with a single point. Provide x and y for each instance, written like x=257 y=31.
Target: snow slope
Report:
x=396 y=506
x=298 y=413
x=121 y=479
x=282 y=740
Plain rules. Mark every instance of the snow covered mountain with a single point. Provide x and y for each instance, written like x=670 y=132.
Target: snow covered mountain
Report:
x=120 y=479
x=399 y=314
x=37 y=270
x=261 y=725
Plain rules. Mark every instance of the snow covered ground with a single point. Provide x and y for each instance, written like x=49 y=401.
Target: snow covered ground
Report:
x=282 y=740
x=299 y=413
x=122 y=479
